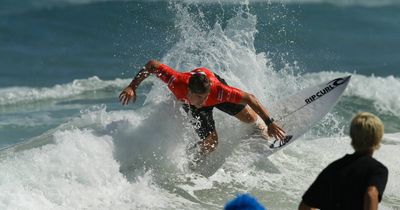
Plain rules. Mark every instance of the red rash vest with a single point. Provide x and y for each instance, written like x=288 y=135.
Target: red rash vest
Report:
x=178 y=83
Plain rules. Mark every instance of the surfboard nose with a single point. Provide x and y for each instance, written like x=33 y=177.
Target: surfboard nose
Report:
x=348 y=77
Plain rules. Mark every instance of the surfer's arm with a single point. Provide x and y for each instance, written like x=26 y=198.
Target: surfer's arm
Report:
x=145 y=72
x=273 y=129
x=129 y=93
x=254 y=103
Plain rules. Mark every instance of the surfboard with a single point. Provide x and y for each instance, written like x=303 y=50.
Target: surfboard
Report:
x=296 y=114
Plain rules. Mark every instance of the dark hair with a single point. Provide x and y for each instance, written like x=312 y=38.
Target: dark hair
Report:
x=199 y=83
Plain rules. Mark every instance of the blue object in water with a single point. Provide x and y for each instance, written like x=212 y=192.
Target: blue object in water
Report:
x=244 y=202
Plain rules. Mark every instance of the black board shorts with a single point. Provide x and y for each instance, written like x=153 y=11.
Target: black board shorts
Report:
x=205 y=123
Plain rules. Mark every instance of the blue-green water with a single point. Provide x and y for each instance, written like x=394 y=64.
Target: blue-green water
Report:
x=63 y=64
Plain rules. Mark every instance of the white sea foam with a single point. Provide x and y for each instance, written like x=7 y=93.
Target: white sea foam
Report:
x=81 y=169
x=78 y=171
x=229 y=52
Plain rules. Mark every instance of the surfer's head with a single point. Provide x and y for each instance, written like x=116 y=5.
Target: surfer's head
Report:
x=199 y=83
x=199 y=88
x=366 y=131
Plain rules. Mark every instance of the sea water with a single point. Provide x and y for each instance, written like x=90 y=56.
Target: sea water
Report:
x=67 y=143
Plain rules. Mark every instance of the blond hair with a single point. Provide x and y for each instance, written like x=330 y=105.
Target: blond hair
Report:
x=366 y=131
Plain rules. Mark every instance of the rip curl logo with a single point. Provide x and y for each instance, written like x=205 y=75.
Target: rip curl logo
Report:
x=331 y=85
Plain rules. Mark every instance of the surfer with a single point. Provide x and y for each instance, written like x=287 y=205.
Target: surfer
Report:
x=201 y=90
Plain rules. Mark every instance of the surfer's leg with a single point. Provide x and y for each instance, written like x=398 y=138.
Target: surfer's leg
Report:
x=204 y=126
x=210 y=143
x=205 y=146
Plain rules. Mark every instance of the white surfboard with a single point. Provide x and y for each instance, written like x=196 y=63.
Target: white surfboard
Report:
x=300 y=112
x=296 y=114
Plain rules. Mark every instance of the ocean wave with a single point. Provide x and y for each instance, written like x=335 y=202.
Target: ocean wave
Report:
x=391 y=139
x=116 y=164
x=17 y=95
x=27 y=121
x=82 y=162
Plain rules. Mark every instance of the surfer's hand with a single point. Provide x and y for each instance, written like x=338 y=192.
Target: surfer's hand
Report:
x=126 y=95
x=275 y=131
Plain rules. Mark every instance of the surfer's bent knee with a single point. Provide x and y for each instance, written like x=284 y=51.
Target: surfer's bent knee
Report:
x=209 y=143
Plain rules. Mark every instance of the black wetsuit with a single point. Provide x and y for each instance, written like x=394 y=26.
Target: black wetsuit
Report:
x=343 y=184
x=204 y=115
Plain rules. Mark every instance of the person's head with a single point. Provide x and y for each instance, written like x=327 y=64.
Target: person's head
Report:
x=244 y=202
x=199 y=88
x=366 y=131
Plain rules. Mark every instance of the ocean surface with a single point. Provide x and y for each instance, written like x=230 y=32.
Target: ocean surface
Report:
x=67 y=143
